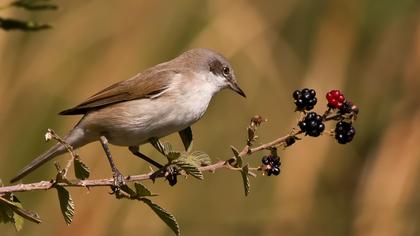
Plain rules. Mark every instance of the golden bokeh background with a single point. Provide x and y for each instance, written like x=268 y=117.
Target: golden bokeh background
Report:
x=369 y=49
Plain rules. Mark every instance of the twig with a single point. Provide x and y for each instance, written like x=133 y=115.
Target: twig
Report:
x=52 y=135
x=45 y=185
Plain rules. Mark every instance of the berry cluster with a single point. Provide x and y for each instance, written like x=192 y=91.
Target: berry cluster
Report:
x=344 y=132
x=312 y=124
x=305 y=99
x=340 y=109
x=271 y=165
x=335 y=99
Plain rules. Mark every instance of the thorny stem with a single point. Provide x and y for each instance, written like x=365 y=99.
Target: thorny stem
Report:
x=52 y=135
x=45 y=185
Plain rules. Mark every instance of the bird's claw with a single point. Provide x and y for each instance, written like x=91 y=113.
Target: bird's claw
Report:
x=119 y=181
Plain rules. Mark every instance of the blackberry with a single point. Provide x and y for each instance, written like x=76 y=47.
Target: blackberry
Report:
x=305 y=99
x=335 y=99
x=344 y=132
x=272 y=165
x=312 y=124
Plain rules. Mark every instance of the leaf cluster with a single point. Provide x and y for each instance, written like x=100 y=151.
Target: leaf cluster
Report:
x=26 y=25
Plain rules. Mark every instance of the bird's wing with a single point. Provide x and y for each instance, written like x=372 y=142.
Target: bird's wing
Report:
x=149 y=84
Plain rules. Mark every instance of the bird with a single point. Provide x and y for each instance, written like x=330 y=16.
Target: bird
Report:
x=164 y=99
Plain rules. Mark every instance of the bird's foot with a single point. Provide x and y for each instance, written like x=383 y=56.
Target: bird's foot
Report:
x=119 y=181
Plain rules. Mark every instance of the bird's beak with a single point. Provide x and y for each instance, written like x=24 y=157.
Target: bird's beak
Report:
x=235 y=87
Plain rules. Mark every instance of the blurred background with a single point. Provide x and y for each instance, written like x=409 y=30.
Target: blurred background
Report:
x=369 y=49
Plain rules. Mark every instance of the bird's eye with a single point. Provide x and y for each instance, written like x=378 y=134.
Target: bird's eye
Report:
x=226 y=71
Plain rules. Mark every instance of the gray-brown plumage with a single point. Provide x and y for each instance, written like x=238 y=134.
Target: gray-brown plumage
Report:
x=164 y=99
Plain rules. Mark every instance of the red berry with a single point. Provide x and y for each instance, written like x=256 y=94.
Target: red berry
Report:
x=335 y=98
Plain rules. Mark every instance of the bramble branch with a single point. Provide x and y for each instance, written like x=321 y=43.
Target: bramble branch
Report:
x=45 y=185
x=190 y=163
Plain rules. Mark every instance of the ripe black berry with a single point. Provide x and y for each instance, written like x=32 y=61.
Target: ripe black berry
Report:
x=305 y=99
x=271 y=165
x=344 y=132
x=312 y=124
x=335 y=99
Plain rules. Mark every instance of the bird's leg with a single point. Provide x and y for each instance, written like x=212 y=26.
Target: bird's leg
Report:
x=118 y=177
x=135 y=151
x=168 y=171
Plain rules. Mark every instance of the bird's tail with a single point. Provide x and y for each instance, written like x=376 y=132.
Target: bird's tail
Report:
x=74 y=138
x=37 y=162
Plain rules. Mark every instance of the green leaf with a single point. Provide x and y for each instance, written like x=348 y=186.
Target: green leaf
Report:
x=167 y=148
x=159 y=146
x=14 y=24
x=80 y=169
x=128 y=190
x=6 y=213
x=202 y=158
x=18 y=221
x=245 y=178
x=173 y=155
x=239 y=161
x=66 y=204
x=142 y=191
x=164 y=215
x=186 y=137
x=34 y=5
x=189 y=167
x=13 y=203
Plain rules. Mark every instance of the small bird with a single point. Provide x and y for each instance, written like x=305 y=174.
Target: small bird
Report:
x=164 y=99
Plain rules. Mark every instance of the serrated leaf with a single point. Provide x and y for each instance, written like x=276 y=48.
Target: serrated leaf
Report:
x=14 y=24
x=80 y=169
x=34 y=5
x=128 y=190
x=245 y=179
x=18 y=221
x=189 y=167
x=142 y=191
x=157 y=145
x=186 y=137
x=6 y=213
x=164 y=215
x=239 y=161
x=173 y=155
x=66 y=204
x=163 y=148
x=167 y=148
x=29 y=215
x=202 y=158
